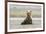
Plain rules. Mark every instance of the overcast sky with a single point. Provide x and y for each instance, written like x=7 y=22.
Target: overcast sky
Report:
x=14 y=7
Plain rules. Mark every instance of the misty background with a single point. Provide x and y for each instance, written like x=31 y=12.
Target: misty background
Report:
x=21 y=10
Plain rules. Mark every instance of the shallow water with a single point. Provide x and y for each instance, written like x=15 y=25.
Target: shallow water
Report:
x=16 y=24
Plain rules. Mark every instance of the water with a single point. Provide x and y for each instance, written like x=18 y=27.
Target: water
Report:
x=16 y=24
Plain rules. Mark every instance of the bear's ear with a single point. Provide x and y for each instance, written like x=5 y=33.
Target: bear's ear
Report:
x=29 y=11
